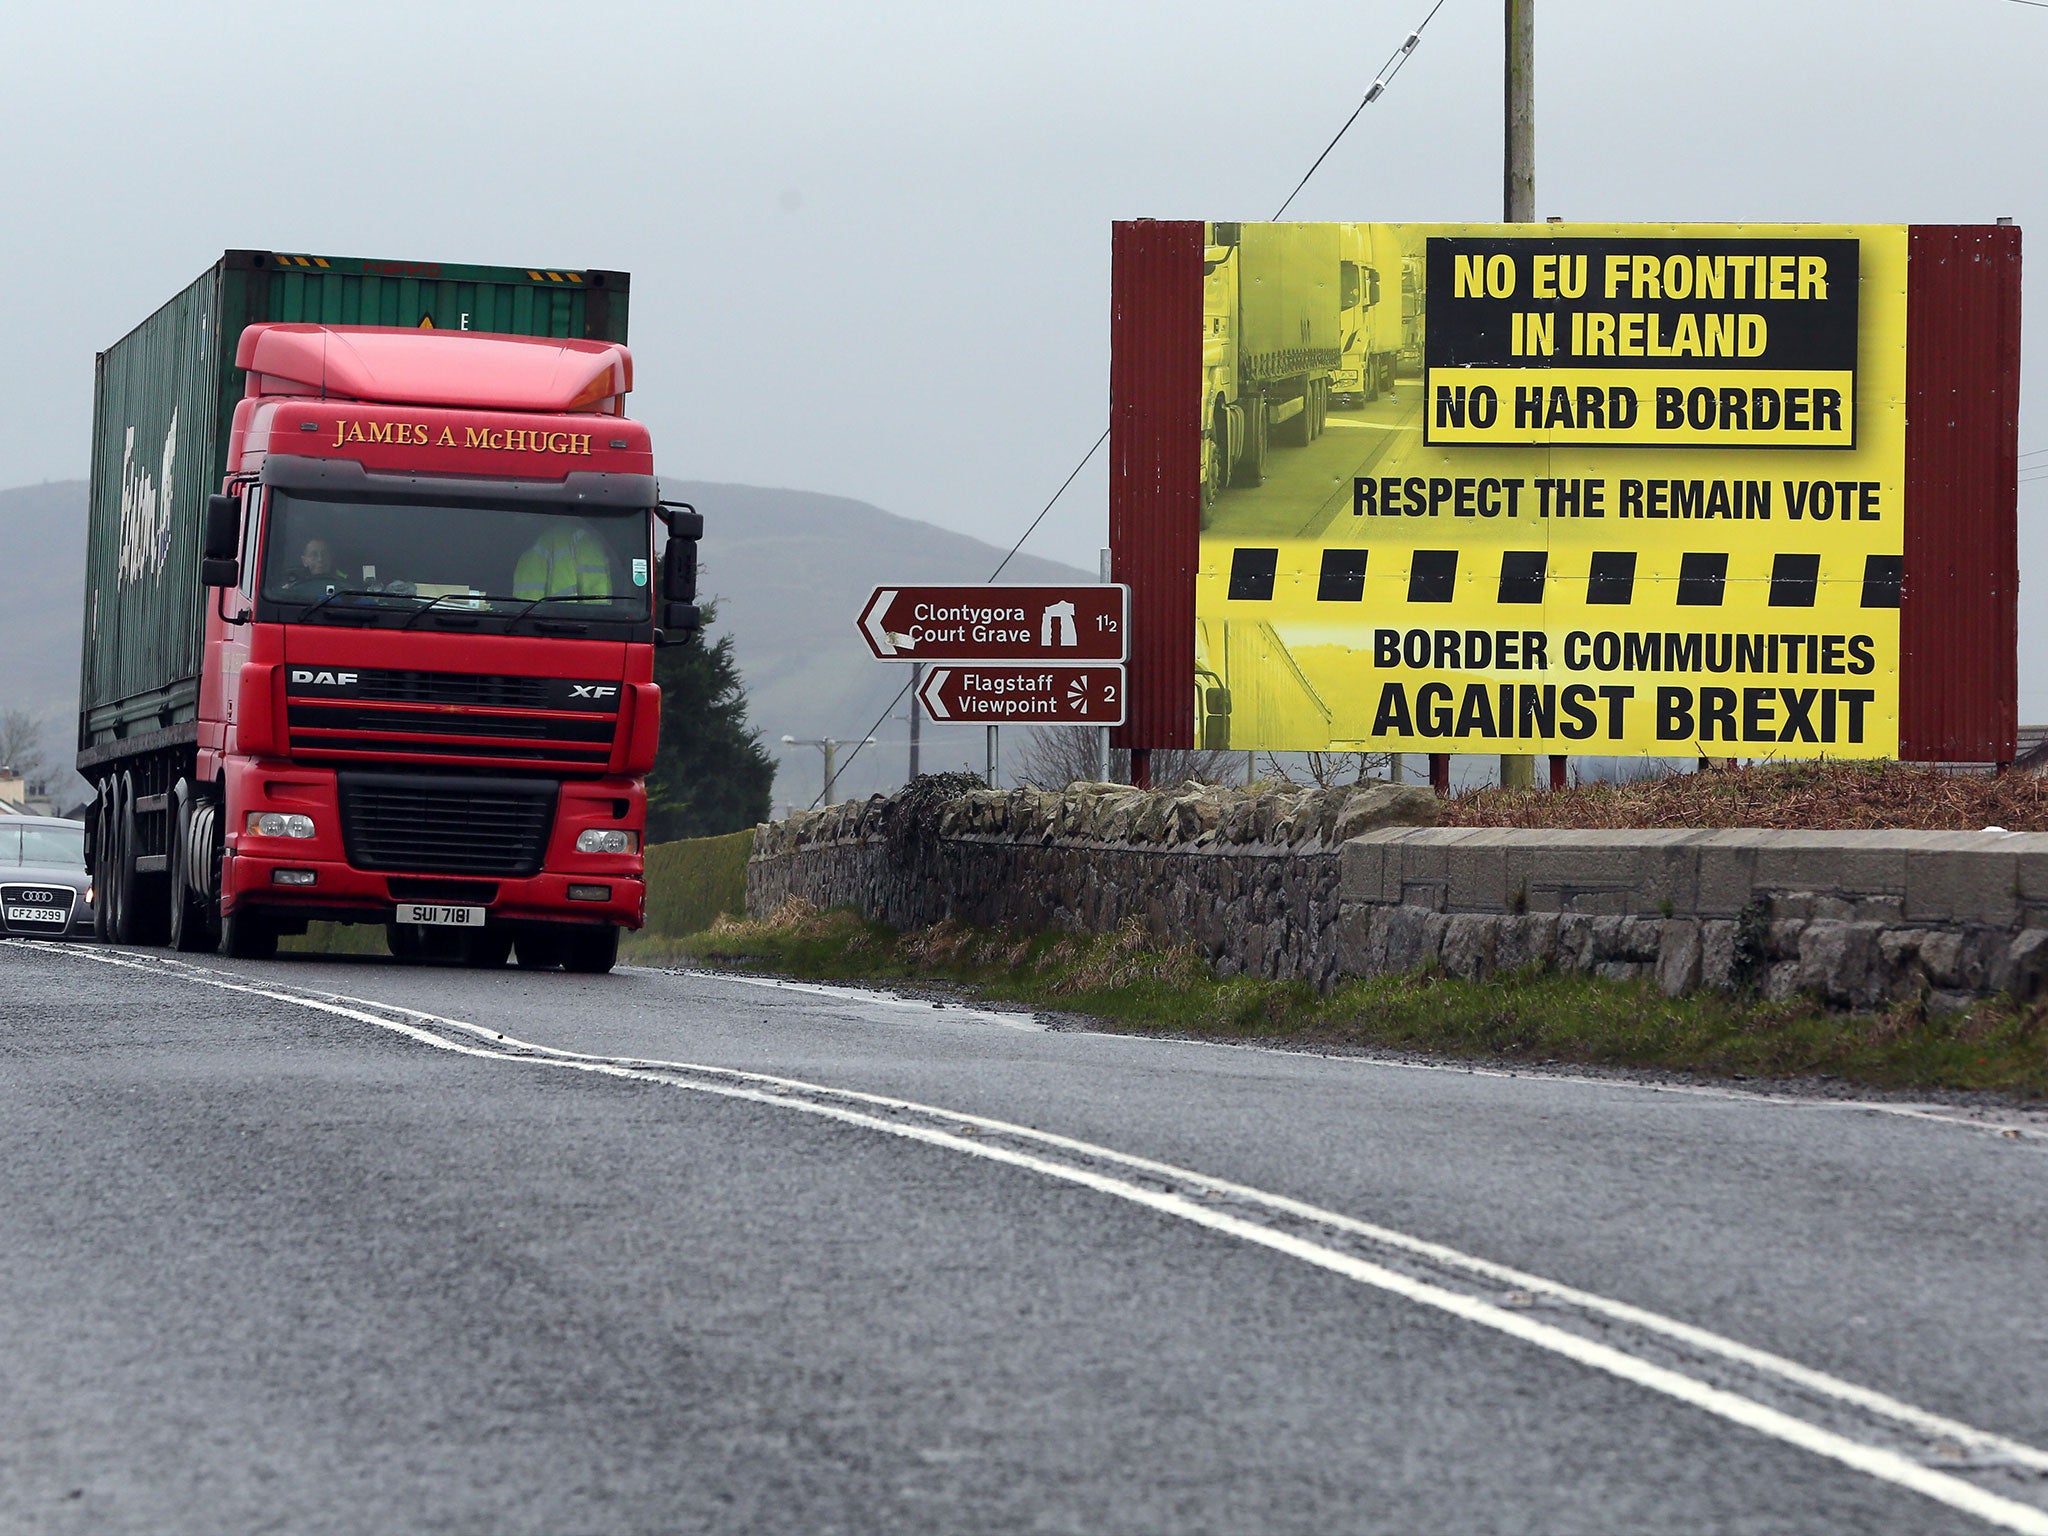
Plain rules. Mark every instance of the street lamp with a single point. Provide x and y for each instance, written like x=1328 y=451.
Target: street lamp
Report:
x=829 y=745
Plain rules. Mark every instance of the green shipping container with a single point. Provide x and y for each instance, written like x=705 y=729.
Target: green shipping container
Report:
x=163 y=403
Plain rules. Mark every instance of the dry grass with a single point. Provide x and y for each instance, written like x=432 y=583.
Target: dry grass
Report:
x=1798 y=796
x=1997 y=1045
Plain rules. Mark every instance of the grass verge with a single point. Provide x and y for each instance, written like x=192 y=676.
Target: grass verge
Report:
x=1538 y=1017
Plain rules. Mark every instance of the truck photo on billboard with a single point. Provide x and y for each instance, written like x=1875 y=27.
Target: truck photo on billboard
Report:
x=1665 y=490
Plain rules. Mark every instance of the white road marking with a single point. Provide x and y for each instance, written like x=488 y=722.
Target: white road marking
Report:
x=869 y=995
x=969 y=1134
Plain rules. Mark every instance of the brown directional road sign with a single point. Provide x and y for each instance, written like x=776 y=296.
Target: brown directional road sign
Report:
x=1018 y=623
x=1025 y=695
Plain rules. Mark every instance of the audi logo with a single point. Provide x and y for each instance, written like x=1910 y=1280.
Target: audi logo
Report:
x=41 y=897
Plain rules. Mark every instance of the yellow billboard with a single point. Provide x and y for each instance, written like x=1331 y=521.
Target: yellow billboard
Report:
x=1556 y=488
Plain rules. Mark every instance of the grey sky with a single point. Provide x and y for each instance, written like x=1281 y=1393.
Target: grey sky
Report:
x=870 y=244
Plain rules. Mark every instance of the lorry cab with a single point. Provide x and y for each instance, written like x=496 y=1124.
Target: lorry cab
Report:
x=432 y=698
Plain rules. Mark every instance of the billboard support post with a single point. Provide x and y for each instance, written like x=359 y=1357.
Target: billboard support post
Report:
x=916 y=715
x=992 y=755
x=1518 y=206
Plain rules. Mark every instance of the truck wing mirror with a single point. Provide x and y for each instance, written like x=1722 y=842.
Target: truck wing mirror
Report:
x=222 y=542
x=679 y=571
x=684 y=521
x=680 y=617
x=223 y=527
x=680 y=623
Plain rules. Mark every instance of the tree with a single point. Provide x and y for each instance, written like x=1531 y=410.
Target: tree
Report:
x=25 y=747
x=1055 y=756
x=711 y=774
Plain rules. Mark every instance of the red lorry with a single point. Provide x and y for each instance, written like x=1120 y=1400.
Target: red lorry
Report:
x=430 y=597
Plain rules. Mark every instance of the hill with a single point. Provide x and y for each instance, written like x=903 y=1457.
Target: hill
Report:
x=789 y=570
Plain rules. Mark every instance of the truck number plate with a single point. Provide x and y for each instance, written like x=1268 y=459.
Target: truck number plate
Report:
x=442 y=917
x=34 y=915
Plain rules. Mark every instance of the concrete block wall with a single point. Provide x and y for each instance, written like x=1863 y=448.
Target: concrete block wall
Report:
x=1320 y=886
x=1860 y=918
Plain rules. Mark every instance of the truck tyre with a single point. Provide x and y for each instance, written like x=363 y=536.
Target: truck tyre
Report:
x=537 y=950
x=488 y=950
x=145 y=910
x=591 y=951
x=247 y=935
x=102 y=866
x=1250 y=469
x=191 y=914
x=119 y=888
x=142 y=915
x=403 y=941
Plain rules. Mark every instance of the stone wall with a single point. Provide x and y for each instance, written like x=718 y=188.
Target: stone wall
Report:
x=1315 y=886
x=1249 y=879
x=1857 y=918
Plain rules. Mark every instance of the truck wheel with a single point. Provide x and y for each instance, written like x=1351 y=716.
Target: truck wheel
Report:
x=145 y=910
x=247 y=935
x=1250 y=469
x=118 y=889
x=537 y=951
x=488 y=950
x=403 y=941
x=191 y=914
x=591 y=951
x=102 y=866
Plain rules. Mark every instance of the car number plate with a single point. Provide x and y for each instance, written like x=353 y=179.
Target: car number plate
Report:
x=440 y=917
x=35 y=914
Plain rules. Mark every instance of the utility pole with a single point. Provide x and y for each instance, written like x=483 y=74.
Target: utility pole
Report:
x=1518 y=199
x=829 y=745
x=1519 y=170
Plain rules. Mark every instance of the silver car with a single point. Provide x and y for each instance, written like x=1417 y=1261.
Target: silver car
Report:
x=44 y=889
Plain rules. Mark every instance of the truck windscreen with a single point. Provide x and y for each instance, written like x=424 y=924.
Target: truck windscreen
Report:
x=391 y=562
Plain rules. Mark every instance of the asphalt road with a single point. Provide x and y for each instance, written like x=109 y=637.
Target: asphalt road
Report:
x=273 y=1260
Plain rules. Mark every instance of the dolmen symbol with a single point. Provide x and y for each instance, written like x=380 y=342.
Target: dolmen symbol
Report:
x=1061 y=614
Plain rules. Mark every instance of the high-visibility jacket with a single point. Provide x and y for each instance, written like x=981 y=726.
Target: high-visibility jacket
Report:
x=564 y=562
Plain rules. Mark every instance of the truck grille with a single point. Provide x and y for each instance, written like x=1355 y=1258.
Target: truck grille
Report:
x=390 y=713
x=435 y=824
x=395 y=687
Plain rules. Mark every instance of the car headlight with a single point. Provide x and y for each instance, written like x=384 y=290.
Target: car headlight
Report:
x=606 y=840
x=279 y=824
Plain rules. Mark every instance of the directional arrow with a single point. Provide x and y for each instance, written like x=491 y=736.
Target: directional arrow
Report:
x=871 y=621
x=933 y=695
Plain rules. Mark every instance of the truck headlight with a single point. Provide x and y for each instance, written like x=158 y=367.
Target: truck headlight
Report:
x=606 y=840
x=278 y=824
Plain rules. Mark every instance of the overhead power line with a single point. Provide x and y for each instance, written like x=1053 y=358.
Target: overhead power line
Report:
x=1381 y=81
